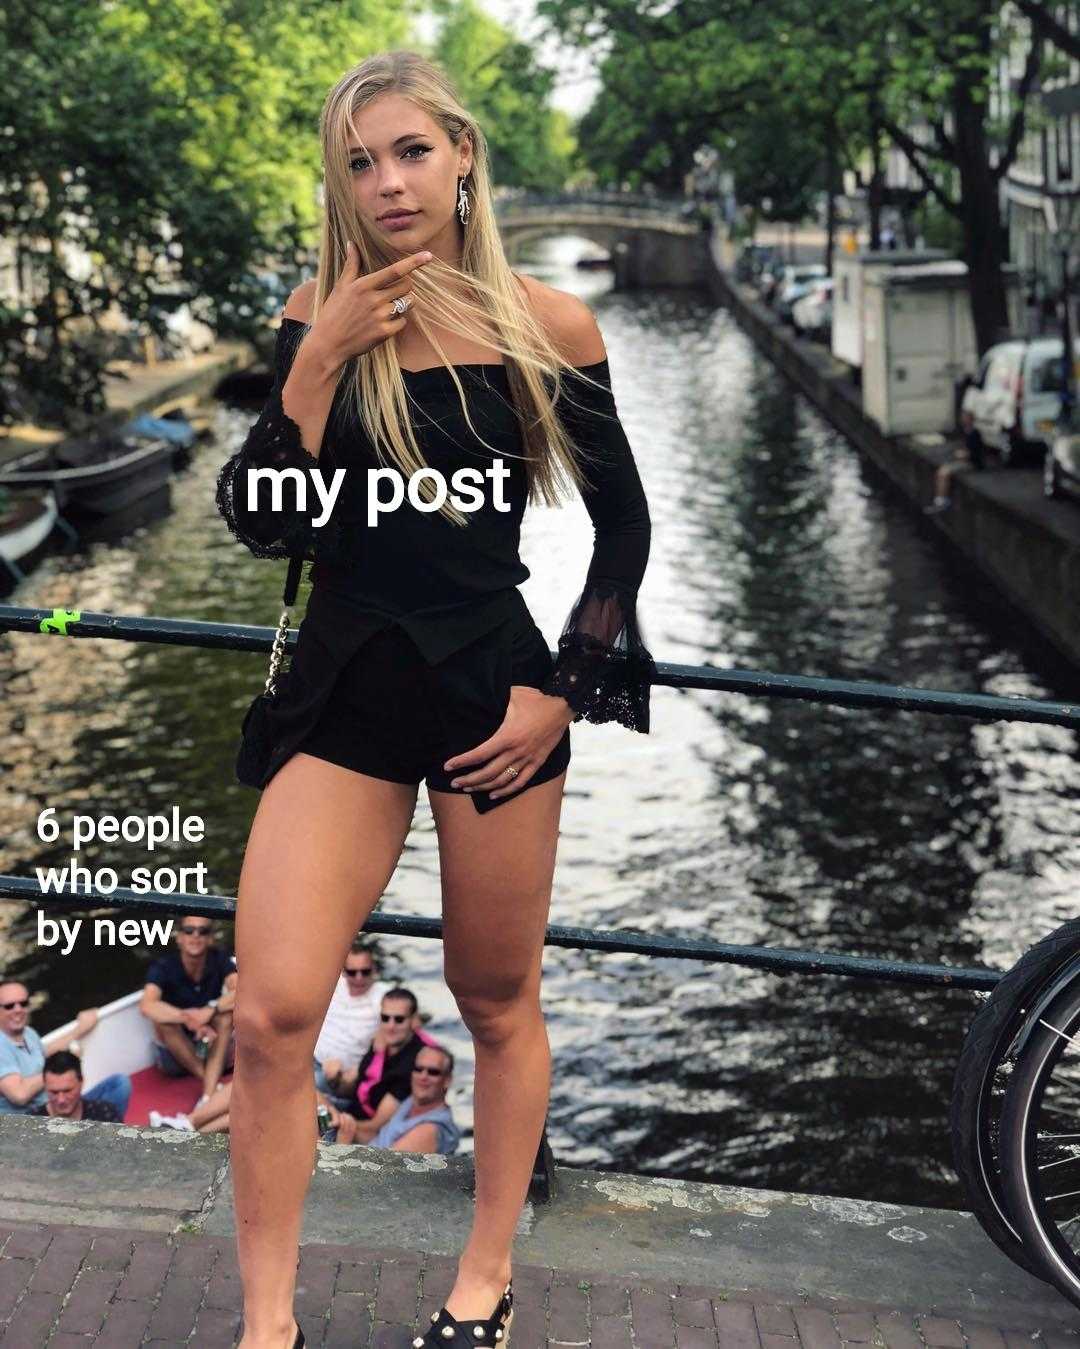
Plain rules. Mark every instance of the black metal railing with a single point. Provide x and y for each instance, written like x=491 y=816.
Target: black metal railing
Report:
x=760 y=683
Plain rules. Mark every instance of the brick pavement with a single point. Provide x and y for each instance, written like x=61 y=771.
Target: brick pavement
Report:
x=65 y=1286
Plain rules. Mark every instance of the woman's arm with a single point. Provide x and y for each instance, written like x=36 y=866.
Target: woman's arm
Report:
x=305 y=378
x=604 y=670
x=308 y=393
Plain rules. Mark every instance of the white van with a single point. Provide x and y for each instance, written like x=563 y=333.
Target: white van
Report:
x=1014 y=398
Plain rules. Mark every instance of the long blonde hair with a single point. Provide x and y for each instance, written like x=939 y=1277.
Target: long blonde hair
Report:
x=500 y=317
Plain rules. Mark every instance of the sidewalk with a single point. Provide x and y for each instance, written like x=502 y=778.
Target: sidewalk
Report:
x=67 y=1286
x=121 y=1235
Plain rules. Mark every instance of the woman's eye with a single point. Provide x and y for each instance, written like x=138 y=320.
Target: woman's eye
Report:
x=362 y=160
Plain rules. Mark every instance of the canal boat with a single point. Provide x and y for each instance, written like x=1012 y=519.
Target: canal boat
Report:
x=99 y=475
x=174 y=426
x=26 y=522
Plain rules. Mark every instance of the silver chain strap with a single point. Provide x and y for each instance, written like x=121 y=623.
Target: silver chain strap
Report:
x=277 y=651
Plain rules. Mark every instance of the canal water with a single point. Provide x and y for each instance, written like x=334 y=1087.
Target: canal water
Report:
x=740 y=819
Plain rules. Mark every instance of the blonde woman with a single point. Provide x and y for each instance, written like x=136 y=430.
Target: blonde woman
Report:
x=414 y=355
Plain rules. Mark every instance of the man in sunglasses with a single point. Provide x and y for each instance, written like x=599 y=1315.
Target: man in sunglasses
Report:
x=423 y=1122
x=350 y=1023
x=22 y=1058
x=189 y=996
x=383 y=1078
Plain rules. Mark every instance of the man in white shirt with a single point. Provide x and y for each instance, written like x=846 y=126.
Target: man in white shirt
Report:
x=351 y=1019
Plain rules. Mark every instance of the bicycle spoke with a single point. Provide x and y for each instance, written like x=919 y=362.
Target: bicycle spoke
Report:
x=1068 y=1038
x=1062 y=1161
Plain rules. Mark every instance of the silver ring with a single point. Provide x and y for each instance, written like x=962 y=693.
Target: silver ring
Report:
x=400 y=305
x=512 y=771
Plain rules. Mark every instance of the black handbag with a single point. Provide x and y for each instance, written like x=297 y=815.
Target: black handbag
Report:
x=257 y=728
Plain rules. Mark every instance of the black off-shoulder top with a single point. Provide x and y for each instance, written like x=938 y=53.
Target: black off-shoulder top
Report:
x=445 y=581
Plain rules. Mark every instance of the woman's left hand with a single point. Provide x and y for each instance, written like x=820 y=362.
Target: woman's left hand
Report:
x=533 y=726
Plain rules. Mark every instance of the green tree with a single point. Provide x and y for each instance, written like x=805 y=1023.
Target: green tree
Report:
x=499 y=80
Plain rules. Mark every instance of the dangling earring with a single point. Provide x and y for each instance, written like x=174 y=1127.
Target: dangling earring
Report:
x=462 y=201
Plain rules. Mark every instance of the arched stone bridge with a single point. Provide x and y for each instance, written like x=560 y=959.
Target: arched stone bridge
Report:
x=652 y=240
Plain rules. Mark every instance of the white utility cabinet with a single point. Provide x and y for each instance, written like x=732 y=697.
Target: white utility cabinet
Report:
x=850 y=271
x=918 y=339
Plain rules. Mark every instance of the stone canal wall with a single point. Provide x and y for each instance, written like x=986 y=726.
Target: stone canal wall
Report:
x=1000 y=522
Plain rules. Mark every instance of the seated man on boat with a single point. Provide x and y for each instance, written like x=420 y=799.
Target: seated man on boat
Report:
x=422 y=1122
x=189 y=996
x=22 y=1058
x=63 y=1087
x=382 y=1079
x=351 y=1021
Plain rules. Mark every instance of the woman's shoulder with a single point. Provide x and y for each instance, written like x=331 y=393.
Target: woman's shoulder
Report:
x=301 y=303
x=568 y=321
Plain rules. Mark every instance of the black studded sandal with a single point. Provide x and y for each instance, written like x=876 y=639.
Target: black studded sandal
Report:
x=445 y=1332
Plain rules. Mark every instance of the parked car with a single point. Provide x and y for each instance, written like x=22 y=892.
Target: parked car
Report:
x=752 y=259
x=1012 y=403
x=769 y=277
x=813 y=313
x=1061 y=467
x=794 y=284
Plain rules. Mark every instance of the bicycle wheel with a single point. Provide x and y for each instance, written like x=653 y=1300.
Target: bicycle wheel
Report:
x=982 y=1075
x=1040 y=1142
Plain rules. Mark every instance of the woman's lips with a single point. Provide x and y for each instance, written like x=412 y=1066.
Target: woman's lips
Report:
x=397 y=222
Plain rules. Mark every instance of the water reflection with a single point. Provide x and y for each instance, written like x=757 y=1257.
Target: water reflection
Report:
x=746 y=820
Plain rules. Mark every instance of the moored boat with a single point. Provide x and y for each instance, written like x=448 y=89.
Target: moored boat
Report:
x=26 y=522
x=100 y=475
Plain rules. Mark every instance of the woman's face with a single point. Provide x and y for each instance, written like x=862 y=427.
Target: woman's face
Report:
x=400 y=160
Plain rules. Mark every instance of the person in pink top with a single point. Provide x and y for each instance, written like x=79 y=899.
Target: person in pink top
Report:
x=383 y=1078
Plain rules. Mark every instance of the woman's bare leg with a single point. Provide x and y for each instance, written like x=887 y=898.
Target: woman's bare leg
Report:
x=496 y=880
x=323 y=845
x=215 y=1059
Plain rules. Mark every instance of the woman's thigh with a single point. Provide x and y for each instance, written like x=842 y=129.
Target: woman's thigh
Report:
x=496 y=870
x=323 y=845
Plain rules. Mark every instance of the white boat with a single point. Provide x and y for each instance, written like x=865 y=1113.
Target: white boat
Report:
x=26 y=521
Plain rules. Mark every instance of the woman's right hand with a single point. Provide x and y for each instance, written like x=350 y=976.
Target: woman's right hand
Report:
x=356 y=315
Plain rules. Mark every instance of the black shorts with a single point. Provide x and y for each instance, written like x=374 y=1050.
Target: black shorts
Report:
x=393 y=716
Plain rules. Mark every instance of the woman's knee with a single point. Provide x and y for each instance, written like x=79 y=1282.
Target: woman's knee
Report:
x=494 y=1009
x=277 y=1028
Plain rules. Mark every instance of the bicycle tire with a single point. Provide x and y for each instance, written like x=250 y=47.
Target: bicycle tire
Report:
x=972 y=1128
x=1040 y=1234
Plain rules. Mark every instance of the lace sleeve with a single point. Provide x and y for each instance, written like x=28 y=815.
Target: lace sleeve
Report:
x=272 y=442
x=604 y=669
